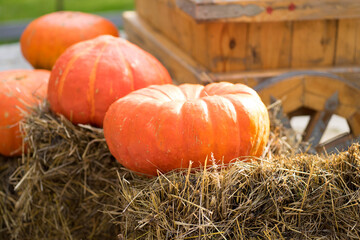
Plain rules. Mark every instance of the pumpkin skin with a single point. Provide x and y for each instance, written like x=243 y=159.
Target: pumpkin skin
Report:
x=165 y=127
x=19 y=89
x=93 y=74
x=47 y=37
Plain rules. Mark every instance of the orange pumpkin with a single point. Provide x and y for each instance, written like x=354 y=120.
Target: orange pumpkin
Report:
x=19 y=91
x=165 y=127
x=93 y=74
x=47 y=37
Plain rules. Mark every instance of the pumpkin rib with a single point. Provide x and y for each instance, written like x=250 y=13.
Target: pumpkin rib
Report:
x=191 y=92
x=168 y=126
x=164 y=93
x=219 y=121
x=131 y=70
x=238 y=126
x=92 y=78
x=131 y=134
x=263 y=133
x=67 y=69
x=131 y=51
x=96 y=74
x=243 y=123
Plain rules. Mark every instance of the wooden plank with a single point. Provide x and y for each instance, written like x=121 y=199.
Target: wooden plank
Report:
x=244 y=46
x=154 y=12
x=226 y=46
x=348 y=42
x=283 y=90
x=182 y=64
x=349 y=94
x=181 y=29
x=314 y=101
x=319 y=89
x=269 y=10
x=293 y=99
x=259 y=75
x=317 y=102
x=181 y=67
x=354 y=122
x=269 y=46
x=313 y=43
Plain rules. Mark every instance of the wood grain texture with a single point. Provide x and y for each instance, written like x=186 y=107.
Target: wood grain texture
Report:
x=348 y=42
x=312 y=89
x=188 y=69
x=313 y=43
x=226 y=46
x=269 y=45
x=269 y=10
x=232 y=46
x=355 y=123
x=181 y=67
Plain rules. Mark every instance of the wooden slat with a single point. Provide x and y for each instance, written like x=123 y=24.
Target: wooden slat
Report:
x=293 y=99
x=246 y=46
x=318 y=89
x=313 y=43
x=182 y=63
x=181 y=67
x=269 y=10
x=289 y=91
x=226 y=46
x=268 y=46
x=325 y=87
x=354 y=122
x=155 y=13
x=181 y=29
x=348 y=42
x=314 y=101
x=234 y=46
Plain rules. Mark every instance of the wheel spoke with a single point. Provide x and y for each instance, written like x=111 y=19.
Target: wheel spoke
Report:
x=339 y=143
x=319 y=121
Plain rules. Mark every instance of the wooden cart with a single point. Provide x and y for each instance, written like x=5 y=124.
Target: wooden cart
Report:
x=304 y=52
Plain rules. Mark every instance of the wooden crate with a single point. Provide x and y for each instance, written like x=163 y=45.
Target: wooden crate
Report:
x=304 y=52
x=235 y=40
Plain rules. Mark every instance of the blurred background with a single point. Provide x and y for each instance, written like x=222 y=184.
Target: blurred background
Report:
x=16 y=14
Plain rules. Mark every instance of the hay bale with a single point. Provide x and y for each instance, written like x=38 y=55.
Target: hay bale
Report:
x=7 y=195
x=69 y=187
x=64 y=182
x=297 y=197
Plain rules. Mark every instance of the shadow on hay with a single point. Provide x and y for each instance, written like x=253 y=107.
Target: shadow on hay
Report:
x=7 y=195
x=297 y=197
x=63 y=182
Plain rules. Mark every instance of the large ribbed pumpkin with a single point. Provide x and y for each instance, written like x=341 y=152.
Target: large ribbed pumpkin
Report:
x=47 y=37
x=91 y=75
x=19 y=91
x=164 y=127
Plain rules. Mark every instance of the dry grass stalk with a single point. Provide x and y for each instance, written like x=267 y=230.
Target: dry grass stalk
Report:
x=64 y=182
x=7 y=196
x=283 y=139
x=69 y=187
x=297 y=197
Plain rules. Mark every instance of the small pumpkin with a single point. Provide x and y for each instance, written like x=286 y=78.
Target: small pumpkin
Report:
x=93 y=74
x=47 y=37
x=19 y=91
x=165 y=127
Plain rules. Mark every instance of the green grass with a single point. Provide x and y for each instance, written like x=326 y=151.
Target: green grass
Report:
x=27 y=9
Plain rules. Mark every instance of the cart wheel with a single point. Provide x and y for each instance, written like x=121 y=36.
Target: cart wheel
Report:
x=319 y=95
